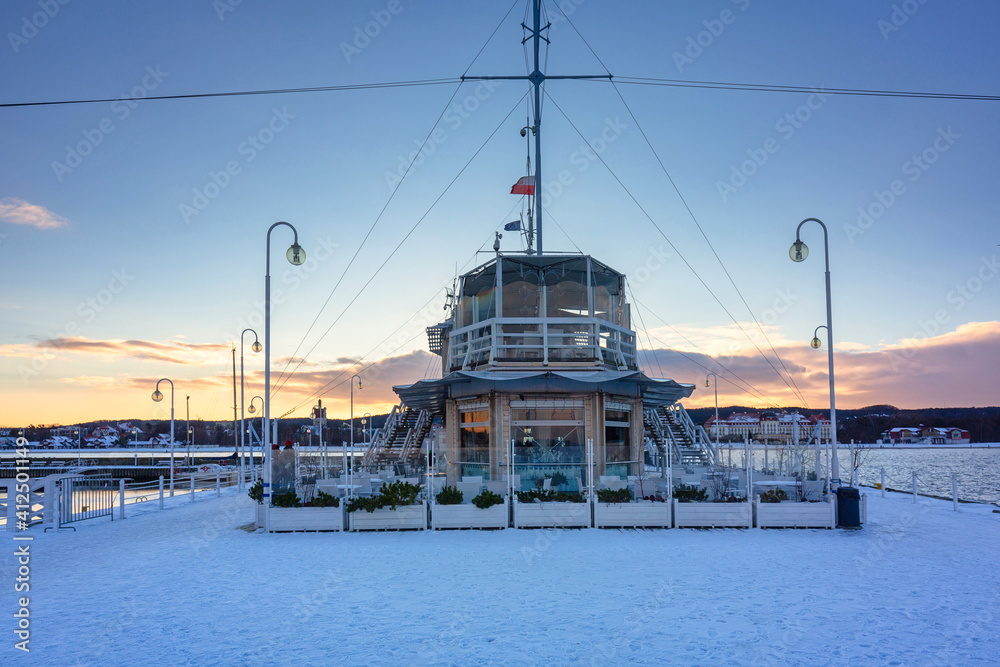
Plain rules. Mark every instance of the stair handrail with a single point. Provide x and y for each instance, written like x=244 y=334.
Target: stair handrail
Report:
x=380 y=436
x=415 y=433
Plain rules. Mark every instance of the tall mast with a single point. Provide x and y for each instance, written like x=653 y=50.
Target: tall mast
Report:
x=536 y=78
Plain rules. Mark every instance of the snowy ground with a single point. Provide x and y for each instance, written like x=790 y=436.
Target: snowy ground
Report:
x=917 y=586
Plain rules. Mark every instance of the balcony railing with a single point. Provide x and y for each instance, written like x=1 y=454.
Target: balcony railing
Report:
x=513 y=342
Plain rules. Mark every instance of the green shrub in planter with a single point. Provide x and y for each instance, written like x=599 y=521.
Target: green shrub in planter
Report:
x=559 y=479
x=449 y=495
x=487 y=499
x=614 y=495
x=773 y=496
x=256 y=492
x=286 y=499
x=690 y=494
x=549 y=496
x=390 y=495
x=324 y=499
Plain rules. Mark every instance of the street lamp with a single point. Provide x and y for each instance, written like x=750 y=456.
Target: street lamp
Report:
x=716 y=384
x=256 y=347
x=158 y=396
x=135 y=446
x=190 y=438
x=798 y=252
x=252 y=410
x=296 y=256
x=79 y=447
x=367 y=418
x=352 y=417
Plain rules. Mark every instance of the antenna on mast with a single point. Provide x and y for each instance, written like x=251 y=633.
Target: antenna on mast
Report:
x=536 y=79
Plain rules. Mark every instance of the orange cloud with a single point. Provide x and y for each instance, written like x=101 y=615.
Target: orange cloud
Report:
x=175 y=352
x=955 y=368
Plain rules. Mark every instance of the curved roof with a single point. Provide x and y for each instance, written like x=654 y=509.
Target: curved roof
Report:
x=431 y=394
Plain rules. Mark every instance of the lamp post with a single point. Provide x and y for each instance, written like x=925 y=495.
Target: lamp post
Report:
x=296 y=256
x=79 y=446
x=256 y=347
x=158 y=396
x=367 y=419
x=135 y=446
x=251 y=410
x=716 y=385
x=187 y=413
x=352 y=419
x=798 y=252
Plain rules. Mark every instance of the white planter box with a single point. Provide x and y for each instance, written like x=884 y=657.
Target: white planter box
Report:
x=259 y=514
x=404 y=517
x=796 y=515
x=713 y=515
x=551 y=515
x=469 y=516
x=289 y=519
x=639 y=514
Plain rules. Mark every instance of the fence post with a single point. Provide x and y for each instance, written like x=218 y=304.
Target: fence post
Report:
x=192 y=486
x=883 y=482
x=914 y=488
x=954 y=491
x=161 y=491
x=121 y=498
x=218 y=489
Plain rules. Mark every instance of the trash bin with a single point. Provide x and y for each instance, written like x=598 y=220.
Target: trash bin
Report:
x=848 y=507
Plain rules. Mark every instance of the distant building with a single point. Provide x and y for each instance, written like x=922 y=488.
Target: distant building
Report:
x=781 y=427
x=926 y=435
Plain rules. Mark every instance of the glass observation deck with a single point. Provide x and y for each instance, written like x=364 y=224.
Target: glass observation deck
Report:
x=530 y=311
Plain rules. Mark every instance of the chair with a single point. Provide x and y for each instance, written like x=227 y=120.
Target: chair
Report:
x=812 y=490
x=469 y=490
x=547 y=484
x=496 y=486
x=613 y=483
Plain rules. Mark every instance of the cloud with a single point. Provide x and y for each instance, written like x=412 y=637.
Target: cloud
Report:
x=19 y=212
x=175 y=352
x=954 y=368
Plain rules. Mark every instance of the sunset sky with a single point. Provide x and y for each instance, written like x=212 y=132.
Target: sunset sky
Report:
x=132 y=233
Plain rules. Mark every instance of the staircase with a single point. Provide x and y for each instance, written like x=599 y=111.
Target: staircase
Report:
x=401 y=439
x=672 y=426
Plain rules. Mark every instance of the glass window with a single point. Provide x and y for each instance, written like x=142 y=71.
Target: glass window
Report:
x=617 y=433
x=474 y=435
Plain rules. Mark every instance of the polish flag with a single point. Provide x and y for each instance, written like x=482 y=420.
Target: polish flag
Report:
x=524 y=186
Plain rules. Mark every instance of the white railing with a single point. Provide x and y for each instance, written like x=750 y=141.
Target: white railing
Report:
x=548 y=340
x=413 y=436
x=381 y=436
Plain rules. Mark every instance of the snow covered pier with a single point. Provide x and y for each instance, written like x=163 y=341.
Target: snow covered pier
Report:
x=186 y=584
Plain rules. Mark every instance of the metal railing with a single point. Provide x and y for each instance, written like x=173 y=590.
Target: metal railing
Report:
x=85 y=497
x=512 y=341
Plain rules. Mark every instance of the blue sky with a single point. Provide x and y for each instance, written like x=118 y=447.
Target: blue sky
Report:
x=112 y=228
